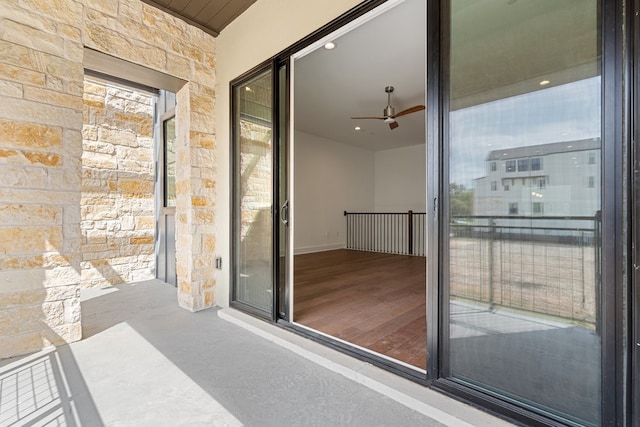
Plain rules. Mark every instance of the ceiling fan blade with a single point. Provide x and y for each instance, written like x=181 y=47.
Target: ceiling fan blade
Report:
x=413 y=109
x=393 y=125
x=369 y=117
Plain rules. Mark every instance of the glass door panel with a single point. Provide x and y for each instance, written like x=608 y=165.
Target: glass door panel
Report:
x=253 y=194
x=524 y=178
x=283 y=196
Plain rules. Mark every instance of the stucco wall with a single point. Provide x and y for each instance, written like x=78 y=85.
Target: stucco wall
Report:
x=265 y=29
x=41 y=78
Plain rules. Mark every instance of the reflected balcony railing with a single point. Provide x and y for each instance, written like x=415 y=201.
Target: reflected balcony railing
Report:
x=544 y=265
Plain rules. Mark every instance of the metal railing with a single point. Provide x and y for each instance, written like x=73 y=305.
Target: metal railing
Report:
x=547 y=265
x=401 y=233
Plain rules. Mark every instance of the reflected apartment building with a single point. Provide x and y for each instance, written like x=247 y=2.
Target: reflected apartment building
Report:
x=535 y=233
x=556 y=179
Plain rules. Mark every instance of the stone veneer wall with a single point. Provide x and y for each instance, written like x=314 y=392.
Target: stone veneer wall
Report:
x=117 y=202
x=42 y=81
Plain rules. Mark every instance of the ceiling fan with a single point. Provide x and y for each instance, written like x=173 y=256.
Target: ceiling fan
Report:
x=389 y=112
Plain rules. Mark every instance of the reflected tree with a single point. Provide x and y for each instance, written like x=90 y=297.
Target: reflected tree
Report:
x=461 y=200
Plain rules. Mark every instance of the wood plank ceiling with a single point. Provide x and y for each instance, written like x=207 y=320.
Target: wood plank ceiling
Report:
x=208 y=15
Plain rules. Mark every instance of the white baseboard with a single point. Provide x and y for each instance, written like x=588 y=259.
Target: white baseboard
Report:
x=320 y=248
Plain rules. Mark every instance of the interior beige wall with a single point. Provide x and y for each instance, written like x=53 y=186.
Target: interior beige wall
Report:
x=266 y=28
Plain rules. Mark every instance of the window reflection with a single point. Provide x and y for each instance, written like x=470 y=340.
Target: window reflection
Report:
x=170 y=162
x=254 y=194
x=524 y=265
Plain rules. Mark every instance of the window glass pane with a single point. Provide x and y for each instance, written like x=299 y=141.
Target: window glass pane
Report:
x=510 y=165
x=254 y=193
x=524 y=268
x=170 y=162
x=538 y=208
x=523 y=165
x=536 y=164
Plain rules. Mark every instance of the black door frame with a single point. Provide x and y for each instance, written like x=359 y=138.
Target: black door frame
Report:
x=621 y=356
x=263 y=68
x=615 y=380
x=280 y=304
x=282 y=120
x=633 y=40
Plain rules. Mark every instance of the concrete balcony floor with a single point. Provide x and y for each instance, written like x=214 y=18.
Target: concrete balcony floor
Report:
x=146 y=362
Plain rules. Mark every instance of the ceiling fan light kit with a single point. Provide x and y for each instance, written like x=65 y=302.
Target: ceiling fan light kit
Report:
x=389 y=115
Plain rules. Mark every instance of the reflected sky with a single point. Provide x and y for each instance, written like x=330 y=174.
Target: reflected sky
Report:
x=561 y=113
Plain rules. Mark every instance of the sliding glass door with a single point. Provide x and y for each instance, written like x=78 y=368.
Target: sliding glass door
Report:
x=525 y=201
x=253 y=233
x=524 y=175
x=260 y=215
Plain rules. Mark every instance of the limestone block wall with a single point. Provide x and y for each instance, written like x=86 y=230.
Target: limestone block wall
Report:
x=41 y=78
x=139 y=33
x=41 y=119
x=195 y=197
x=117 y=201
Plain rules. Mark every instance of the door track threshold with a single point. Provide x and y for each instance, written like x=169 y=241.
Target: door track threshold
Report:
x=428 y=402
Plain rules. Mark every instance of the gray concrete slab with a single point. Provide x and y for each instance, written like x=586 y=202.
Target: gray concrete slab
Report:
x=145 y=362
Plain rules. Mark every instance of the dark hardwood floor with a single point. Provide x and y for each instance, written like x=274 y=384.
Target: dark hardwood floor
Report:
x=374 y=300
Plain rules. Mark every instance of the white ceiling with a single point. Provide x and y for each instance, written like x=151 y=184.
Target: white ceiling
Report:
x=500 y=49
x=330 y=86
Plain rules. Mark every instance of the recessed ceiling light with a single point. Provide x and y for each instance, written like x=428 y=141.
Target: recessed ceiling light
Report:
x=569 y=146
x=358 y=128
x=544 y=82
x=329 y=45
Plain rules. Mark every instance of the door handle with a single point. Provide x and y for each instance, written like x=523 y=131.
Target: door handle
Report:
x=283 y=209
